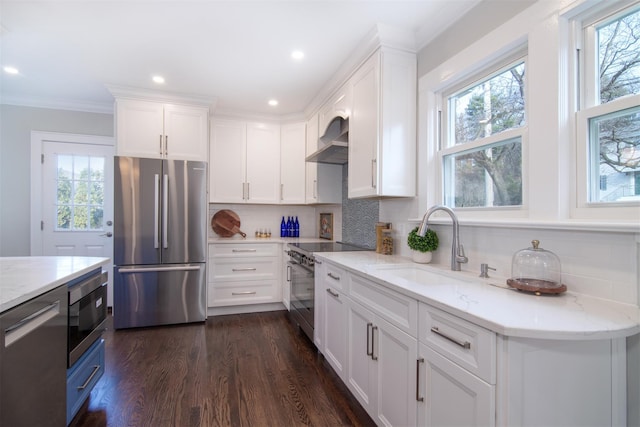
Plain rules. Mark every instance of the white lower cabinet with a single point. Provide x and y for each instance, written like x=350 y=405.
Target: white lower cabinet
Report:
x=450 y=395
x=241 y=274
x=381 y=367
x=411 y=364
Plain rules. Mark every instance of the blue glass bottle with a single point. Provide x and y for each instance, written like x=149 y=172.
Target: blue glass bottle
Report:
x=283 y=228
x=296 y=228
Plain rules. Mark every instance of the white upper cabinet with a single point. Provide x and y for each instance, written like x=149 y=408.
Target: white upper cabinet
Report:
x=160 y=130
x=292 y=163
x=244 y=166
x=382 y=126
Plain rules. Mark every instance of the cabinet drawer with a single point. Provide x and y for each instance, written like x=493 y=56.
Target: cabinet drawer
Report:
x=400 y=310
x=335 y=277
x=83 y=376
x=243 y=249
x=244 y=292
x=243 y=269
x=468 y=345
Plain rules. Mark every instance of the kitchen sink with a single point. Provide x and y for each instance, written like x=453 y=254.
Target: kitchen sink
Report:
x=414 y=273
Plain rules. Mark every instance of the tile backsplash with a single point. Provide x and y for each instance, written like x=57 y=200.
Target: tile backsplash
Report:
x=359 y=217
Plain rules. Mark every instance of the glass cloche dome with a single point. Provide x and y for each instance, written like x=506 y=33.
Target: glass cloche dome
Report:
x=536 y=270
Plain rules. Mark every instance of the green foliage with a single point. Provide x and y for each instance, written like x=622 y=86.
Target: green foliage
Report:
x=428 y=243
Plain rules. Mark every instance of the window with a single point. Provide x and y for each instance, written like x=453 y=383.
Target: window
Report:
x=80 y=193
x=609 y=116
x=482 y=146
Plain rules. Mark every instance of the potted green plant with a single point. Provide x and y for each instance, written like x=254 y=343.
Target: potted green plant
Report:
x=422 y=247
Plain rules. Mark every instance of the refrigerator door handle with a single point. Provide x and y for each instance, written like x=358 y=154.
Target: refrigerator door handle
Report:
x=128 y=270
x=156 y=213
x=165 y=211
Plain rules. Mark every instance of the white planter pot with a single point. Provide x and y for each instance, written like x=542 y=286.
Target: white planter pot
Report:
x=421 y=257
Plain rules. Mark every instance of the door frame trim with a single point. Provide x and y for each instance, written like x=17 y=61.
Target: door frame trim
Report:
x=38 y=138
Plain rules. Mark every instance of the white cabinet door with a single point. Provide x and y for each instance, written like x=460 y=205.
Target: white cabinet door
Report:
x=363 y=130
x=311 y=178
x=381 y=371
x=319 y=305
x=227 y=167
x=361 y=370
x=395 y=352
x=335 y=319
x=139 y=128
x=158 y=130
x=186 y=132
x=382 y=127
x=292 y=163
x=263 y=163
x=451 y=395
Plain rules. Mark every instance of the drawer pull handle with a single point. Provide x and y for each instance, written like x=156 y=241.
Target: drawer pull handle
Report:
x=333 y=277
x=244 y=293
x=373 y=343
x=96 y=368
x=463 y=344
x=243 y=250
x=369 y=326
x=335 y=294
x=418 y=397
x=244 y=269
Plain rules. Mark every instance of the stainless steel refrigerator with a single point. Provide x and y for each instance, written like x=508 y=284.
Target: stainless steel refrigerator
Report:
x=160 y=229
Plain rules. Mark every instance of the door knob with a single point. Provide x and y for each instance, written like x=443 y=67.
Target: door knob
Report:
x=107 y=234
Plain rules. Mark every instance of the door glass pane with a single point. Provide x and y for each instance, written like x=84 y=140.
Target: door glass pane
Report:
x=80 y=193
x=615 y=156
x=487 y=176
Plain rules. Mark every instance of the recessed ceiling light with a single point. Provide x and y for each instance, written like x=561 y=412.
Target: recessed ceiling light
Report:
x=11 y=70
x=297 y=54
x=273 y=102
x=158 y=79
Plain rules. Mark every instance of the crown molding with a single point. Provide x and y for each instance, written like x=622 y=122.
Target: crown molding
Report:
x=161 y=96
x=58 y=104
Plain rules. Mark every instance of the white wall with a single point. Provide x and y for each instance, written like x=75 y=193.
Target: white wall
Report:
x=16 y=124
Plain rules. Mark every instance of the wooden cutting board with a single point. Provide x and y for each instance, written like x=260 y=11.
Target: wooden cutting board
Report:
x=226 y=223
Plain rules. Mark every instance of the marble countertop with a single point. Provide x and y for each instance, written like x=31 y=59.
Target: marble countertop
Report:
x=24 y=278
x=490 y=303
x=250 y=239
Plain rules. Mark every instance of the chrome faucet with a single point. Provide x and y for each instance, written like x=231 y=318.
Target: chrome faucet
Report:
x=457 y=250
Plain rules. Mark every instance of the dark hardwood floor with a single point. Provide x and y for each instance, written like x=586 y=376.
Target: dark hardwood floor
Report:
x=237 y=370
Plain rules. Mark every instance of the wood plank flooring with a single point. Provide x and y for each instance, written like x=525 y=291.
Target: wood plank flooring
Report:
x=237 y=370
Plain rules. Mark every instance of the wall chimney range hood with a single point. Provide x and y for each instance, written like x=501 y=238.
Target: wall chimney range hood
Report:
x=333 y=145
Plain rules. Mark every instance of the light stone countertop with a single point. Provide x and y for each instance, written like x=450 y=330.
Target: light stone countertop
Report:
x=491 y=304
x=24 y=278
x=251 y=239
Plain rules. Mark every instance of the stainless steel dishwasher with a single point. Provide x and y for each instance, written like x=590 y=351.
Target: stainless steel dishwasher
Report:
x=33 y=361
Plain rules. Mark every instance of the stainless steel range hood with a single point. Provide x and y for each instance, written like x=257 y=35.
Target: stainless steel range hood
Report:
x=333 y=145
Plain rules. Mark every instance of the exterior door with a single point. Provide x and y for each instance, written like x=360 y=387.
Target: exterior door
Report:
x=75 y=203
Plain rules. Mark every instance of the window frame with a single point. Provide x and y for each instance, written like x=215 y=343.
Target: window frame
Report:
x=587 y=106
x=446 y=145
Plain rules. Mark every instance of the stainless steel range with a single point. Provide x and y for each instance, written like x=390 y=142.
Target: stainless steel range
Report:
x=300 y=274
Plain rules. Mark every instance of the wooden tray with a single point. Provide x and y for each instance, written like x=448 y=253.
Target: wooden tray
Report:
x=537 y=286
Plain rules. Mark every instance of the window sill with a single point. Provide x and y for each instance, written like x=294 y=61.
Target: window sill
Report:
x=577 y=225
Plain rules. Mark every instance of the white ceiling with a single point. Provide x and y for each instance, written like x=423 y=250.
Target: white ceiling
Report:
x=236 y=52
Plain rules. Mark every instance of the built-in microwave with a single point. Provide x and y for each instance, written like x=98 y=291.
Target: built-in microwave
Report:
x=87 y=313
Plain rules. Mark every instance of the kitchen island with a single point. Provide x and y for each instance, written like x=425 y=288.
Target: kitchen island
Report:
x=422 y=345
x=48 y=363
x=24 y=278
